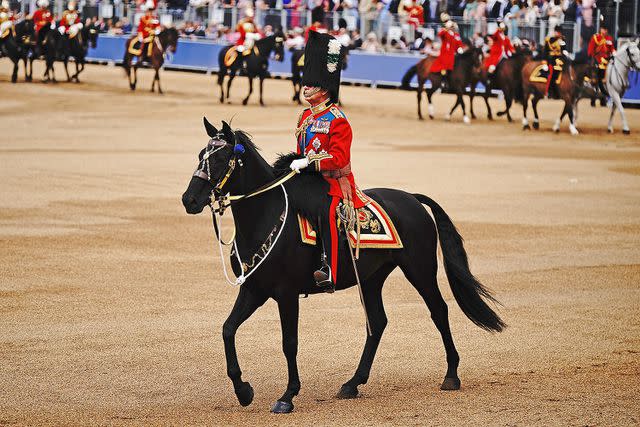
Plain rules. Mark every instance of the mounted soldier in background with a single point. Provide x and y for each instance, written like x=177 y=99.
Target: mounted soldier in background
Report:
x=148 y=27
x=601 y=49
x=69 y=26
x=43 y=21
x=555 y=59
x=500 y=48
x=6 y=22
x=451 y=43
x=324 y=137
x=248 y=32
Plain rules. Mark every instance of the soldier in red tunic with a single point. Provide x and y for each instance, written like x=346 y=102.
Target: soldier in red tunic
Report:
x=601 y=48
x=324 y=137
x=6 y=21
x=70 y=22
x=147 y=27
x=451 y=43
x=248 y=31
x=501 y=47
x=42 y=18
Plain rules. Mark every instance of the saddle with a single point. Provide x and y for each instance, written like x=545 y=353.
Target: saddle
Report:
x=136 y=48
x=374 y=230
x=540 y=75
x=232 y=54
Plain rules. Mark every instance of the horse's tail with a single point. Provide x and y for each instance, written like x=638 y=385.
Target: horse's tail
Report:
x=126 y=63
x=406 y=79
x=467 y=290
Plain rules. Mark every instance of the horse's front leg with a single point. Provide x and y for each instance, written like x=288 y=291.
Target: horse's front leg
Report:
x=66 y=68
x=247 y=302
x=289 y=306
x=232 y=76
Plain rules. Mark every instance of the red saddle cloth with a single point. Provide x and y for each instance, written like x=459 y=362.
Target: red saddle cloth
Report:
x=376 y=229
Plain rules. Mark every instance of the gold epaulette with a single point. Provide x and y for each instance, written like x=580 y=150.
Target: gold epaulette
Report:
x=302 y=127
x=336 y=112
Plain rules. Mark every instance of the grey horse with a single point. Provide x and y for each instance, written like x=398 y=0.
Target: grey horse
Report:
x=617 y=79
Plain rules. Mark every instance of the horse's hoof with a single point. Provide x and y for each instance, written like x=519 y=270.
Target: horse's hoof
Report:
x=431 y=116
x=489 y=117
x=281 y=407
x=626 y=131
x=509 y=119
x=610 y=130
x=245 y=394
x=526 y=127
x=473 y=116
x=347 y=392
x=420 y=118
x=501 y=113
x=466 y=120
x=450 y=384
x=536 y=125
x=447 y=117
x=244 y=101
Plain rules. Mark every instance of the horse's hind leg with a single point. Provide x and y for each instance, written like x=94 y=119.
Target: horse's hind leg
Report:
x=613 y=112
x=246 y=99
x=372 y=294
x=261 y=87
x=246 y=304
x=232 y=75
x=422 y=276
x=448 y=116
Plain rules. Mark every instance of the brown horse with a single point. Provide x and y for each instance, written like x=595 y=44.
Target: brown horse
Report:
x=166 y=40
x=566 y=90
x=507 y=78
x=466 y=67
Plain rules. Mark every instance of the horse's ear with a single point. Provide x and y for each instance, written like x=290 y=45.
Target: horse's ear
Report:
x=211 y=129
x=228 y=133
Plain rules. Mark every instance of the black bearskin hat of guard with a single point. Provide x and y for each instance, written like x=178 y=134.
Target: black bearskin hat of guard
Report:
x=323 y=63
x=317 y=14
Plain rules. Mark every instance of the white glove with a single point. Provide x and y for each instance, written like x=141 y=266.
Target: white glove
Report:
x=298 y=164
x=545 y=67
x=61 y=29
x=157 y=31
x=460 y=50
x=53 y=26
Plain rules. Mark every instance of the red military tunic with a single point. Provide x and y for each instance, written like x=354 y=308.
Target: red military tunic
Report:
x=69 y=18
x=451 y=42
x=245 y=26
x=147 y=25
x=601 y=48
x=324 y=133
x=41 y=18
x=500 y=48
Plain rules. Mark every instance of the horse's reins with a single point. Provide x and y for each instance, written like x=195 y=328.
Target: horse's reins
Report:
x=224 y=201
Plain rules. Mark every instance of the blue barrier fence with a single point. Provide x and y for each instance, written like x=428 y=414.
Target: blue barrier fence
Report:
x=371 y=69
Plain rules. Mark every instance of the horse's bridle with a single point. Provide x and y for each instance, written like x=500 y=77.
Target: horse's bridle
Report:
x=216 y=144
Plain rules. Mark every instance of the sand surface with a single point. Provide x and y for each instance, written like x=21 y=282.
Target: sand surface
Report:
x=112 y=299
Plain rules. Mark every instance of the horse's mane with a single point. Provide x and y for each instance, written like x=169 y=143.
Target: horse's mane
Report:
x=307 y=191
x=245 y=139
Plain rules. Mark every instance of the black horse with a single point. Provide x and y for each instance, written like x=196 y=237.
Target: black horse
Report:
x=230 y=163
x=297 y=66
x=255 y=64
x=166 y=41
x=77 y=47
x=17 y=46
x=50 y=45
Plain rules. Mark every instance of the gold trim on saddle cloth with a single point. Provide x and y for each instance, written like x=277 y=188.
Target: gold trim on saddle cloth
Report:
x=377 y=231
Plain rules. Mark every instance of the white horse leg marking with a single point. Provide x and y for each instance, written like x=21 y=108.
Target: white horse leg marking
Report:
x=525 y=121
x=556 y=125
x=466 y=119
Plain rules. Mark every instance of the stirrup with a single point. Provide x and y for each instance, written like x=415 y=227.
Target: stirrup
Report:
x=323 y=280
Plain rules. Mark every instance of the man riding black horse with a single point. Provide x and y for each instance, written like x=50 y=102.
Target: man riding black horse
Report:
x=324 y=137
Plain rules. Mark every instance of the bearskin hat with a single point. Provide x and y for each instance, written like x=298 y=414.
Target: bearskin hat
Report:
x=323 y=63
x=317 y=14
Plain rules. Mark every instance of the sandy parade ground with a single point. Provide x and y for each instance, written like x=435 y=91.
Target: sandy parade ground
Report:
x=112 y=298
